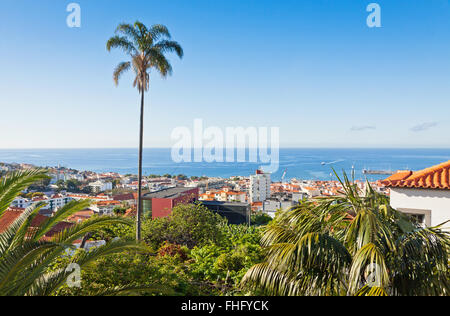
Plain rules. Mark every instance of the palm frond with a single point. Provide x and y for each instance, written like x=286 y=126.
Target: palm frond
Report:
x=159 y=62
x=79 y=230
x=16 y=232
x=128 y=31
x=15 y=265
x=368 y=266
x=264 y=277
x=62 y=214
x=142 y=28
x=12 y=184
x=159 y=31
x=170 y=47
x=49 y=283
x=120 y=70
x=371 y=291
x=122 y=43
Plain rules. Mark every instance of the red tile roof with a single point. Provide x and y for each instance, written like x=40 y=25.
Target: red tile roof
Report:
x=8 y=218
x=81 y=216
x=125 y=197
x=437 y=177
x=10 y=215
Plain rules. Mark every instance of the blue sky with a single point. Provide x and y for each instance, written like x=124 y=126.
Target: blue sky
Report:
x=312 y=68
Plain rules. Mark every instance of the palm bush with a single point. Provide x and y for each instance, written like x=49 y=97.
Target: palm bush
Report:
x=352 y=244
x=26 y=256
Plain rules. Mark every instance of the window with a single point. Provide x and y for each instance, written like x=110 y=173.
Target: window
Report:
x=419 y=216
x=418 y=219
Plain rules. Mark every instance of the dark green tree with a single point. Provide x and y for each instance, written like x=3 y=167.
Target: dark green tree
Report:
x=73 y=185
x=188 y=225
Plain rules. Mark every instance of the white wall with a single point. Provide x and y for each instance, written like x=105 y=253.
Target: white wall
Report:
x=437 y=201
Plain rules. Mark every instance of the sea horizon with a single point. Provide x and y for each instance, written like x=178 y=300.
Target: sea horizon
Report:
x=282 y=147
x=300 y=163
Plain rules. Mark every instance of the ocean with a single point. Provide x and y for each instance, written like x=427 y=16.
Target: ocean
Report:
x=300 y=163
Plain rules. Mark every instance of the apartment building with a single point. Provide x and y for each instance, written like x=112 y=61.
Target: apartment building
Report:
x=259 y=186
x=100 y=186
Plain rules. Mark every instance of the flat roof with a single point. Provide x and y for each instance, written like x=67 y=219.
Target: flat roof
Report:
x=213 y=203
x=171 y=193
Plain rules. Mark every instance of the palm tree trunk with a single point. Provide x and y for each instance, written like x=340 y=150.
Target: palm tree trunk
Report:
x=141 y=139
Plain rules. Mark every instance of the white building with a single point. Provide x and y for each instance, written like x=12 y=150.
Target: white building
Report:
x=21 y=202
x=425 y=195
x=100 y=186
x=76 y=176
x=59 y=175
x=51 y=203
x=105 y=207
x=4 y=168
x=57 y=201
x=259 y=186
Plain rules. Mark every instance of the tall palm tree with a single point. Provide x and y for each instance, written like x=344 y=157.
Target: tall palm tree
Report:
x=146 y=48
x=353 y=244
x=26 y=257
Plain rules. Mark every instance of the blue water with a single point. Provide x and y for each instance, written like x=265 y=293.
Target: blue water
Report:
x=300 y=163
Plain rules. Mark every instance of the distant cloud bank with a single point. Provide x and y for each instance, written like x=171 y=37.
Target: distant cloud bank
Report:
x=423 y=127
x=362 y=128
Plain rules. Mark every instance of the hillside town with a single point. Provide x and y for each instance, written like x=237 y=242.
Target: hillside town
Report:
x=236 y=198
x=112 y=193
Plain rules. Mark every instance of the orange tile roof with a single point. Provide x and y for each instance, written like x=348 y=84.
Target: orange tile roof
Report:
x=11 y=214
x=131 y=212
x=82 y=215
x=106 y=203
x=437 y=177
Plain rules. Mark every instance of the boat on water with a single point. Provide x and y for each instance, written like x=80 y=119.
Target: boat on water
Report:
x=378 y=172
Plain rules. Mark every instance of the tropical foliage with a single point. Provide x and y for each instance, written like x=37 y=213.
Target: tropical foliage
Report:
x=224 y=264
x=197 y=253
x=353 y=244
x=260 y=219
x=27 y=254
x=189 y=225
